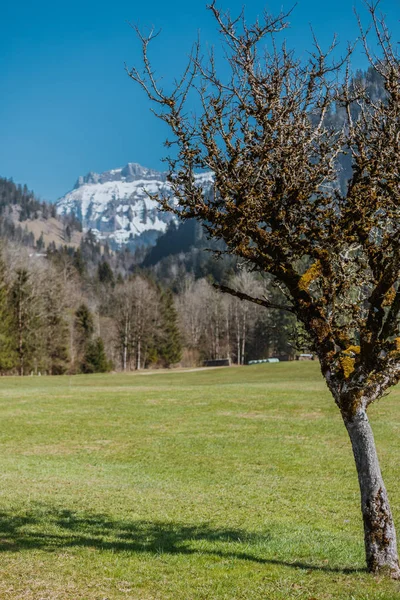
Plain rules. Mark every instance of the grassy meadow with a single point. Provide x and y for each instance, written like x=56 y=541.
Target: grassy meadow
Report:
x=234 y=483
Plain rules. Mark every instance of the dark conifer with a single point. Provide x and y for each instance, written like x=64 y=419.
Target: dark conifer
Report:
x=170 y=347
x=95 y=360
x=8 y=357
x=104 y=273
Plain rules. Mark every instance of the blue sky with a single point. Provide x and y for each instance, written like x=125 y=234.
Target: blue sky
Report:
x=66 y=104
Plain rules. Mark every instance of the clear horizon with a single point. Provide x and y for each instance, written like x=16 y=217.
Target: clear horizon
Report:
x=68 y=107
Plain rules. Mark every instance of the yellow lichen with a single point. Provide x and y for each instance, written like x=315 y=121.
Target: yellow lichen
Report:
x=397 y=341
x=353 y=349
x=389 y=297
x=347 y=360
x=310 y=275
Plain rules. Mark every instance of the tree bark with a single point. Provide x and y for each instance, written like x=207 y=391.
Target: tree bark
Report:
x=238 y=358
x=379 y=530
x=125 y=347
x=243 y=338
x=71 y=343
x=228 y=337
x=138 y=354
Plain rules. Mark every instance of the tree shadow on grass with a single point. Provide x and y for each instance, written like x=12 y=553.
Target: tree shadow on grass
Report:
x=50 y=530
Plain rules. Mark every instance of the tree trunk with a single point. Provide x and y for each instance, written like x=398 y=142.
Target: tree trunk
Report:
x=20 y=340
x=124 y=356
x=379 y=530
x=71 y=344
x=217 y=337
x=228 y=337
x=243 y=338
x=138 y=356
x=125 y=347
x=238 y=358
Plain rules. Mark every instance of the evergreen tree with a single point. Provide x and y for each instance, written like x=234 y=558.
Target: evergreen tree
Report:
x=84 y=328
x=8 y=357
x=40 y=243
x=79 y=262
x=104 y=273
x=95 y=360
x=170 y=347
x=54 y=329
x=84 y=322
x=25 y=318
x=273 y=334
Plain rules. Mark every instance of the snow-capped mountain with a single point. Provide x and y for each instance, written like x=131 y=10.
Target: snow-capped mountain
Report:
x=116 y=207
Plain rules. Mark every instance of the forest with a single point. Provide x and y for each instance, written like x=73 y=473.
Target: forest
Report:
x=57 y=318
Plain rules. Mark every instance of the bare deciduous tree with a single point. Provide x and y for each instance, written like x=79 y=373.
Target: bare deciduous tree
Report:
x=336 y=256
x=190 y=307
x=244 y=313
x=136 y=315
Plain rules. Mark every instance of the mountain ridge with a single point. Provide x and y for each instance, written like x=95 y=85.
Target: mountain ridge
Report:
x=115 y=205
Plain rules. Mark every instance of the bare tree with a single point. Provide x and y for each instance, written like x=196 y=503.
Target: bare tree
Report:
x=190 y=308
x=244 y=313
x=335 y=256
x=123 y=317
x=146 y=313
x=136 y=315
x=205 y=318
x=214 y=320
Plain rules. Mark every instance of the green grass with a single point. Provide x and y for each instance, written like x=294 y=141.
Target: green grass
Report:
x=225 y=484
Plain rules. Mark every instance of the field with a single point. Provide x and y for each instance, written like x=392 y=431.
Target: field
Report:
x=233 y=483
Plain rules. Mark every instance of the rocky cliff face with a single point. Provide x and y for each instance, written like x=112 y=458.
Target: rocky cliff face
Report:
x=116 y=207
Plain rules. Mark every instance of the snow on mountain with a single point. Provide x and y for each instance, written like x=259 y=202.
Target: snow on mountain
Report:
x=116 y=207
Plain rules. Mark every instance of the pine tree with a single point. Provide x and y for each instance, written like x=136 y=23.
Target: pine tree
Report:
x=25 y=318
x=84 y=328
x=84 y=322
x=54 y=329
x=170 y=348
x=95 y=360
x=104 y=273
x=8 y=357
x=67 y=234
x=40 y=243
x=79 y=262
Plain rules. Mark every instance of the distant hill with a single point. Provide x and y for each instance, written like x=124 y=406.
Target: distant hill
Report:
x=27 y=220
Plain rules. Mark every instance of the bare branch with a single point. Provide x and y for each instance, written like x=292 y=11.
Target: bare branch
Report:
x=260 y=301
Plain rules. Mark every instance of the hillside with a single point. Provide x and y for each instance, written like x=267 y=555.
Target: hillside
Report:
x=28 y=221
x=52 y=231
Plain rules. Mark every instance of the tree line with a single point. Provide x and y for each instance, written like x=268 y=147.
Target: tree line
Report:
x=56 y=318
